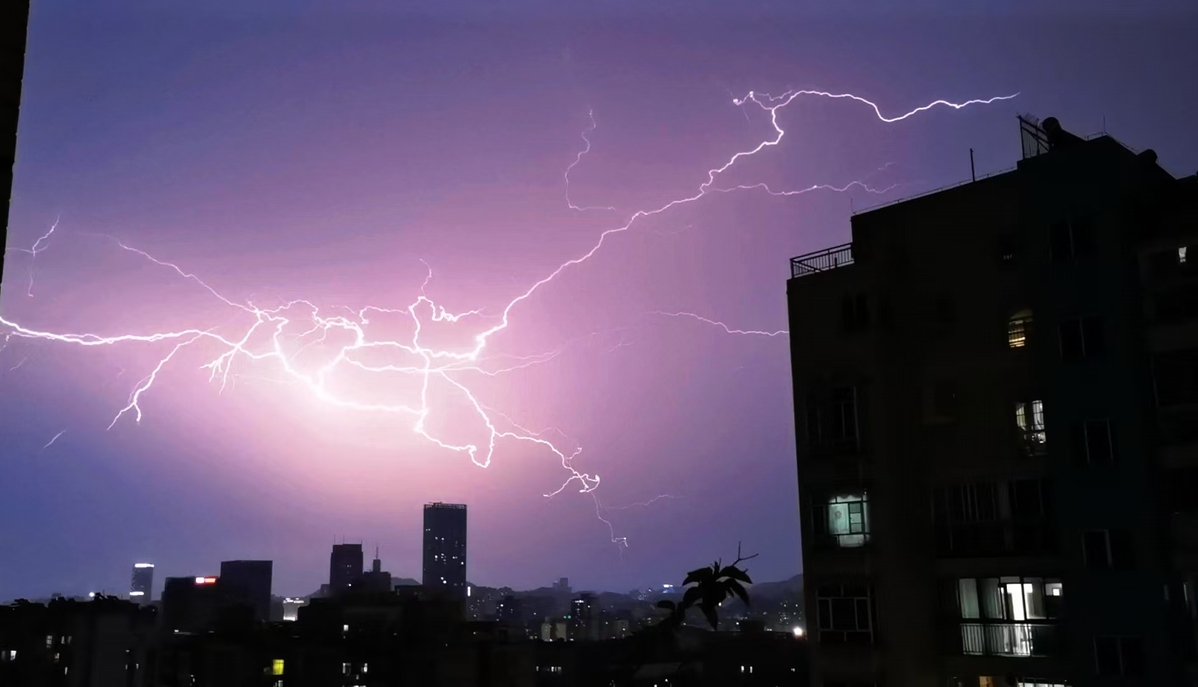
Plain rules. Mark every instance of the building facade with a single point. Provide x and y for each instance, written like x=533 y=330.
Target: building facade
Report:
x=190 y=604
x=141 y=586
x=445 y=546
x=996 y=394
x=345 y=566
x=247 y=584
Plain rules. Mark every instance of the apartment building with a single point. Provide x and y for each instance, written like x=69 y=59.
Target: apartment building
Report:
x=996 y=396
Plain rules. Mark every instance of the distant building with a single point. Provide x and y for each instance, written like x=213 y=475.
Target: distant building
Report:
x=291 y=608
x=376 y=579
x=190 y=604
x=141 y=587
x=345 y=566
x=445 y=546
x=583 y=618
x=247 y=583
x=996 y=398
x=509 y=611
x=71 y=643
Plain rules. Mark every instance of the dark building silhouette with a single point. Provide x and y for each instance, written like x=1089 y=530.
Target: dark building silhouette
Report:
x=418 y=638
x=14 y=16
x=190 y=604
x=247 y=584
x=104 y=642
x=345 y=566
x=141 y=586
x=996 y=395
x=584 y=618
x=445 y=546
x=376 y=579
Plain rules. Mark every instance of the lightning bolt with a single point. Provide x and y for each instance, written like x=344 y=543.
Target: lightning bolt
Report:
x=578 y=159
x=263 y=338
x=34 y=251
x=717 y=323
x=641 y=504
x=51 y=442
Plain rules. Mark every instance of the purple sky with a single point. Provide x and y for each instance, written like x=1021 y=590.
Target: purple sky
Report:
x=321 y=154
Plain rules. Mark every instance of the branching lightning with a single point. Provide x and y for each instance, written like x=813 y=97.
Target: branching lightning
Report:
x=34 y=251
x=453 y=367
x=577 y=159
x=721 y=325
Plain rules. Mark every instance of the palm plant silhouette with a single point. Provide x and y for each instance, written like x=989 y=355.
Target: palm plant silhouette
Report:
x=707 y=588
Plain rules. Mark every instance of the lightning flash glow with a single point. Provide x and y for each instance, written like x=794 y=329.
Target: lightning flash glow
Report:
x=262 y=339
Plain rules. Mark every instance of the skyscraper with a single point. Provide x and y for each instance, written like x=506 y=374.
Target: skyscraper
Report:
x=247 y=583
x=141 y=588
x=445 y=546
x=345 y=566
x=995 y=391
x=190 y=604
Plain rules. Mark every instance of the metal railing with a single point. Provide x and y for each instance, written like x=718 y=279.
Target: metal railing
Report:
x=1009 y=639
x=991 y=539
x=821 y=260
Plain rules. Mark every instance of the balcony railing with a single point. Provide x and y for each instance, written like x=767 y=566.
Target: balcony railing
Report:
x=1007 y=639
x=995 y=539
x=821 y=260
x=1014 y=639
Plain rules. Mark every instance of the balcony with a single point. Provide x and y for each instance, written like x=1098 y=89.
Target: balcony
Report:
x=995 y=539
x=1020 y=640
x=821 y=260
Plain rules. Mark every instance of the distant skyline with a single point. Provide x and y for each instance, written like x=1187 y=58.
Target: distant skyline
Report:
x=283 y=151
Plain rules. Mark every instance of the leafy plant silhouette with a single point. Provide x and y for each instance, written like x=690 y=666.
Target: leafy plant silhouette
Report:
x=707 y=588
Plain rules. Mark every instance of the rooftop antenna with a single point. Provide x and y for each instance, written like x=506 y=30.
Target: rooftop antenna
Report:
x=972 y=174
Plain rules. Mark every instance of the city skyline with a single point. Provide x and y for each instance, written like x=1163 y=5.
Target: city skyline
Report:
x=413 y=169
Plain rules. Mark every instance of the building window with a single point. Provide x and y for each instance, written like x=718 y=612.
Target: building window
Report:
x=1119 y=656
x=832 y=421
x=1006 y=616
x=845 y=614
x=1029 y=419
x=1018 y=328
x=1107 y=549
x=1071 y=239
x=276 y=667
x=993 y=519
x=1008 y=250
x=1093 y=444
x=855 y=312
x=1173 y=262
x=1082 y=338
x=842 y=521
x=1004 y=681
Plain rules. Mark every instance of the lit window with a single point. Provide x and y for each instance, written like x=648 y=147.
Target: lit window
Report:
x=843 y=520
x=49 y=641
x=1018 y=328
x=276 y=667
x=1181 y=255
x=1029 y=417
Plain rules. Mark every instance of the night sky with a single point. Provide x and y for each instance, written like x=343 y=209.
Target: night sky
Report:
x=301 y=150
